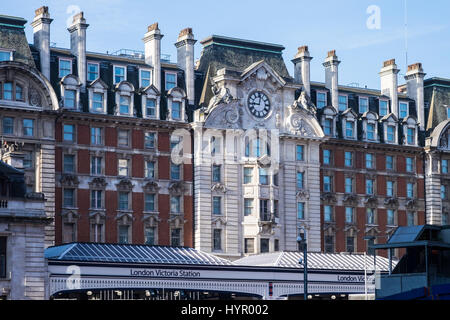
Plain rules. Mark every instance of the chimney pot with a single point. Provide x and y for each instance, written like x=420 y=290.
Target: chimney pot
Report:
x=153 y=27
x=185 y=32
x=331 y=53
x=390 y=62
x=41 y=10
x=415 y=66
x=302 y=49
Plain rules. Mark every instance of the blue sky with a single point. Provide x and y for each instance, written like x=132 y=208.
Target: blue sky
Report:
x=323 y=25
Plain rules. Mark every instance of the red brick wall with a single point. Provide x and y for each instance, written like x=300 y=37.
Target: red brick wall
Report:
x=83 y=133
x=110 y=137
x=83 y=202
x=164 y=141
x=110 y=164
x=84 y=162
x=164 y=207
x=188 y=226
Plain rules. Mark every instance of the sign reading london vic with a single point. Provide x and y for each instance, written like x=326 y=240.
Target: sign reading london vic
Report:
x=164 y=273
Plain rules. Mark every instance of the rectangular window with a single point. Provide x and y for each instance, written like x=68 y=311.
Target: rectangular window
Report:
x=97 y=232
x=348 y=185
x=96 y=199
x=263 y=176
x=175 y=171
x=448 y=112
x=343 y=104
x=327 y=184
x=175 y=204
x=249 y=244
x=28 y=127
x=96 y=136
x=275 y=208
x=370 y=131
x=69 y=198
x=69 y=99
x=28 y=160
x=275 y=179
x=3 y=241
x=264 y=245
x=390 y=134
x=150 y=169
x=119 y=74
x=300 y=154
x=349 y=129
x=389 y=188
x=321 y=100
x=409 y=165
x=389 y=163
x=327 y=157
x=93 y=71
x=149 y=204
x=69 y=132
x=403 y=110
x=69 y=232
x=216 y=173
x=150 y=233
x=19 y=93
x=171 y=81
x=327 y=127
x=217 y=239
x=149 y=140
x=390 y=217
x=248 y=173
x=5 y=56
x=123 y=201
x=65 y=67
x=300 y=210
x=123 y=234
x=369 y=187
x=369 y=161
x=370 y=215
x=348 y=159
x=329 y=244
x=174 y=141
x=124 y=107
x=444 y=166
x=96 y=165
x=97 y=102
x=328 y=213
x=150 y=105
x=410 y=219
x=383 y=108
x=264 y=210
x=123 y=167
x=175 y=237
x=69 y=163
x=176 y=110
x=276 y=245
x=410 y=190
x=217 y=205
x=348 y=215
x=350 y=242
x=146 y=78
x=7 y=91
x=123 y=140
x=300 y=181
x=363 y=105
x=248 y=207
x=411 y=136
x=8 y=125
x=443 y=192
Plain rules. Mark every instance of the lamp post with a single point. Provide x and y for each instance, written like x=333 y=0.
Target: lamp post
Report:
x=302 y=244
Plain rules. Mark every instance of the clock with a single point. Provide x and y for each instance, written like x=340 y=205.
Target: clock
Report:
x=259 y=104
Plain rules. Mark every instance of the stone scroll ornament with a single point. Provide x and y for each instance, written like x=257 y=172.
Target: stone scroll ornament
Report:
x=224 y=116
x=35 y=98
x=300 y=126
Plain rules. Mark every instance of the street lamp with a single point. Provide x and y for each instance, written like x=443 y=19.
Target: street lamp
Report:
x=302 y=244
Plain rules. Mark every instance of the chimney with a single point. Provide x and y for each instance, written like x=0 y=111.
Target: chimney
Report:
x=78 y=45
x=331 y=77
x=414 y=89
x=41 y=32
x=185 y=59
x=389 y=83
x=302 y=68
x=152 y=43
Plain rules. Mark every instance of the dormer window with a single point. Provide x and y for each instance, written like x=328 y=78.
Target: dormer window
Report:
x=124 y=107
x=343 y=102
x=176 y=110
x=97 y=102
x=176 y=104
x=383 y=111
x=119 y=74
x=69 y=99
x=93 y=70
x=65 y=67
x=6 y=55
x=410 y=130
x=349 y=132
x=125 y=99
x=321 y=99
x=327 y=127
x=390 y=136
x=403 y=110
x=411 y=136
x=363 y=105
x=150 y=105
x=370 y=131
x=70 y=91
x=97 y=96
x=145 y=78
x=171 y=80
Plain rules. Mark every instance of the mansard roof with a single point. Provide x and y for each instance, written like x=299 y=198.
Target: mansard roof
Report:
x=12 y=36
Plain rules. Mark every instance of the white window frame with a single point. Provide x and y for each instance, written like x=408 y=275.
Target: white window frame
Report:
x=399 y=109
x=59 y=66
x=359 y=104
x=87 y=70
x=317 y=98
x=346 y=101
x=165 y=79
x=114 y=73
x=11 y=53
x=140 y=77
x=379 y=107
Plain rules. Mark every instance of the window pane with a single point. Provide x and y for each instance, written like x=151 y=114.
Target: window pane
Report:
x=300 y=210
x=123 y=234
x=92 y=71
x=69 y=99
x=328 y=213
x=119 y=74
x=65 y=68
x=342 y=103
x=145 y=78
x=326 y=157
x=150 y=202
x=69 y=198
x=175 y=237
x=19 y=93
x=124 y=105
x=171 y=81
x=348 y=215
x=5 y=56
x=149 y=169
x=150 y=236
x=321 y=100
x=349 y=129
x=264 y=245
x=300 y=153
x=69 y=163
x=69 y=130
x=151 y=107
x=216 y=173
x=8 y=125
x=383 y=108
x=175 y=171
x=263 y=176
x=123 y=167
x=123 y=201
x=248 y=206
x=176 y=111
x=299 y=180
x=248 y=172
x=97 y=102
x=363 y=105
x=175 y=204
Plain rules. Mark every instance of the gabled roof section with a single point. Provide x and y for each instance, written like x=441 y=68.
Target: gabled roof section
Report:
x=261 y=63
x=389 y=116
x=98 y=81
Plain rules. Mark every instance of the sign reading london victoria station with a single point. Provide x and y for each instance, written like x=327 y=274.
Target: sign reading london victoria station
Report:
x=179 y=273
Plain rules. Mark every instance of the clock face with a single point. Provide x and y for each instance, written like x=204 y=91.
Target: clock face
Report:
x=259 y=104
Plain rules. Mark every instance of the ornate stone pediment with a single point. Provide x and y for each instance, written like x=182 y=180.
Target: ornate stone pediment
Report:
x=267 y=227
x=371 y=230
x=391 y=202
x=224 y=116
x=350 y=199
x=125 y=216
x=125 y=184
x=151 y=219
x=219 y=187
x=151 y=187
x=176 y=221
x=411 y=204
x=98 y=182
x=304 y=102
x=177 y=187
x=328 y=197
x=351 y=228
x=371 y=201
x=218 y=222
x=97 y=215
x=299 y=126
x=329 y=226
x=69 y=180
x=303 y=194
x=70 y=215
